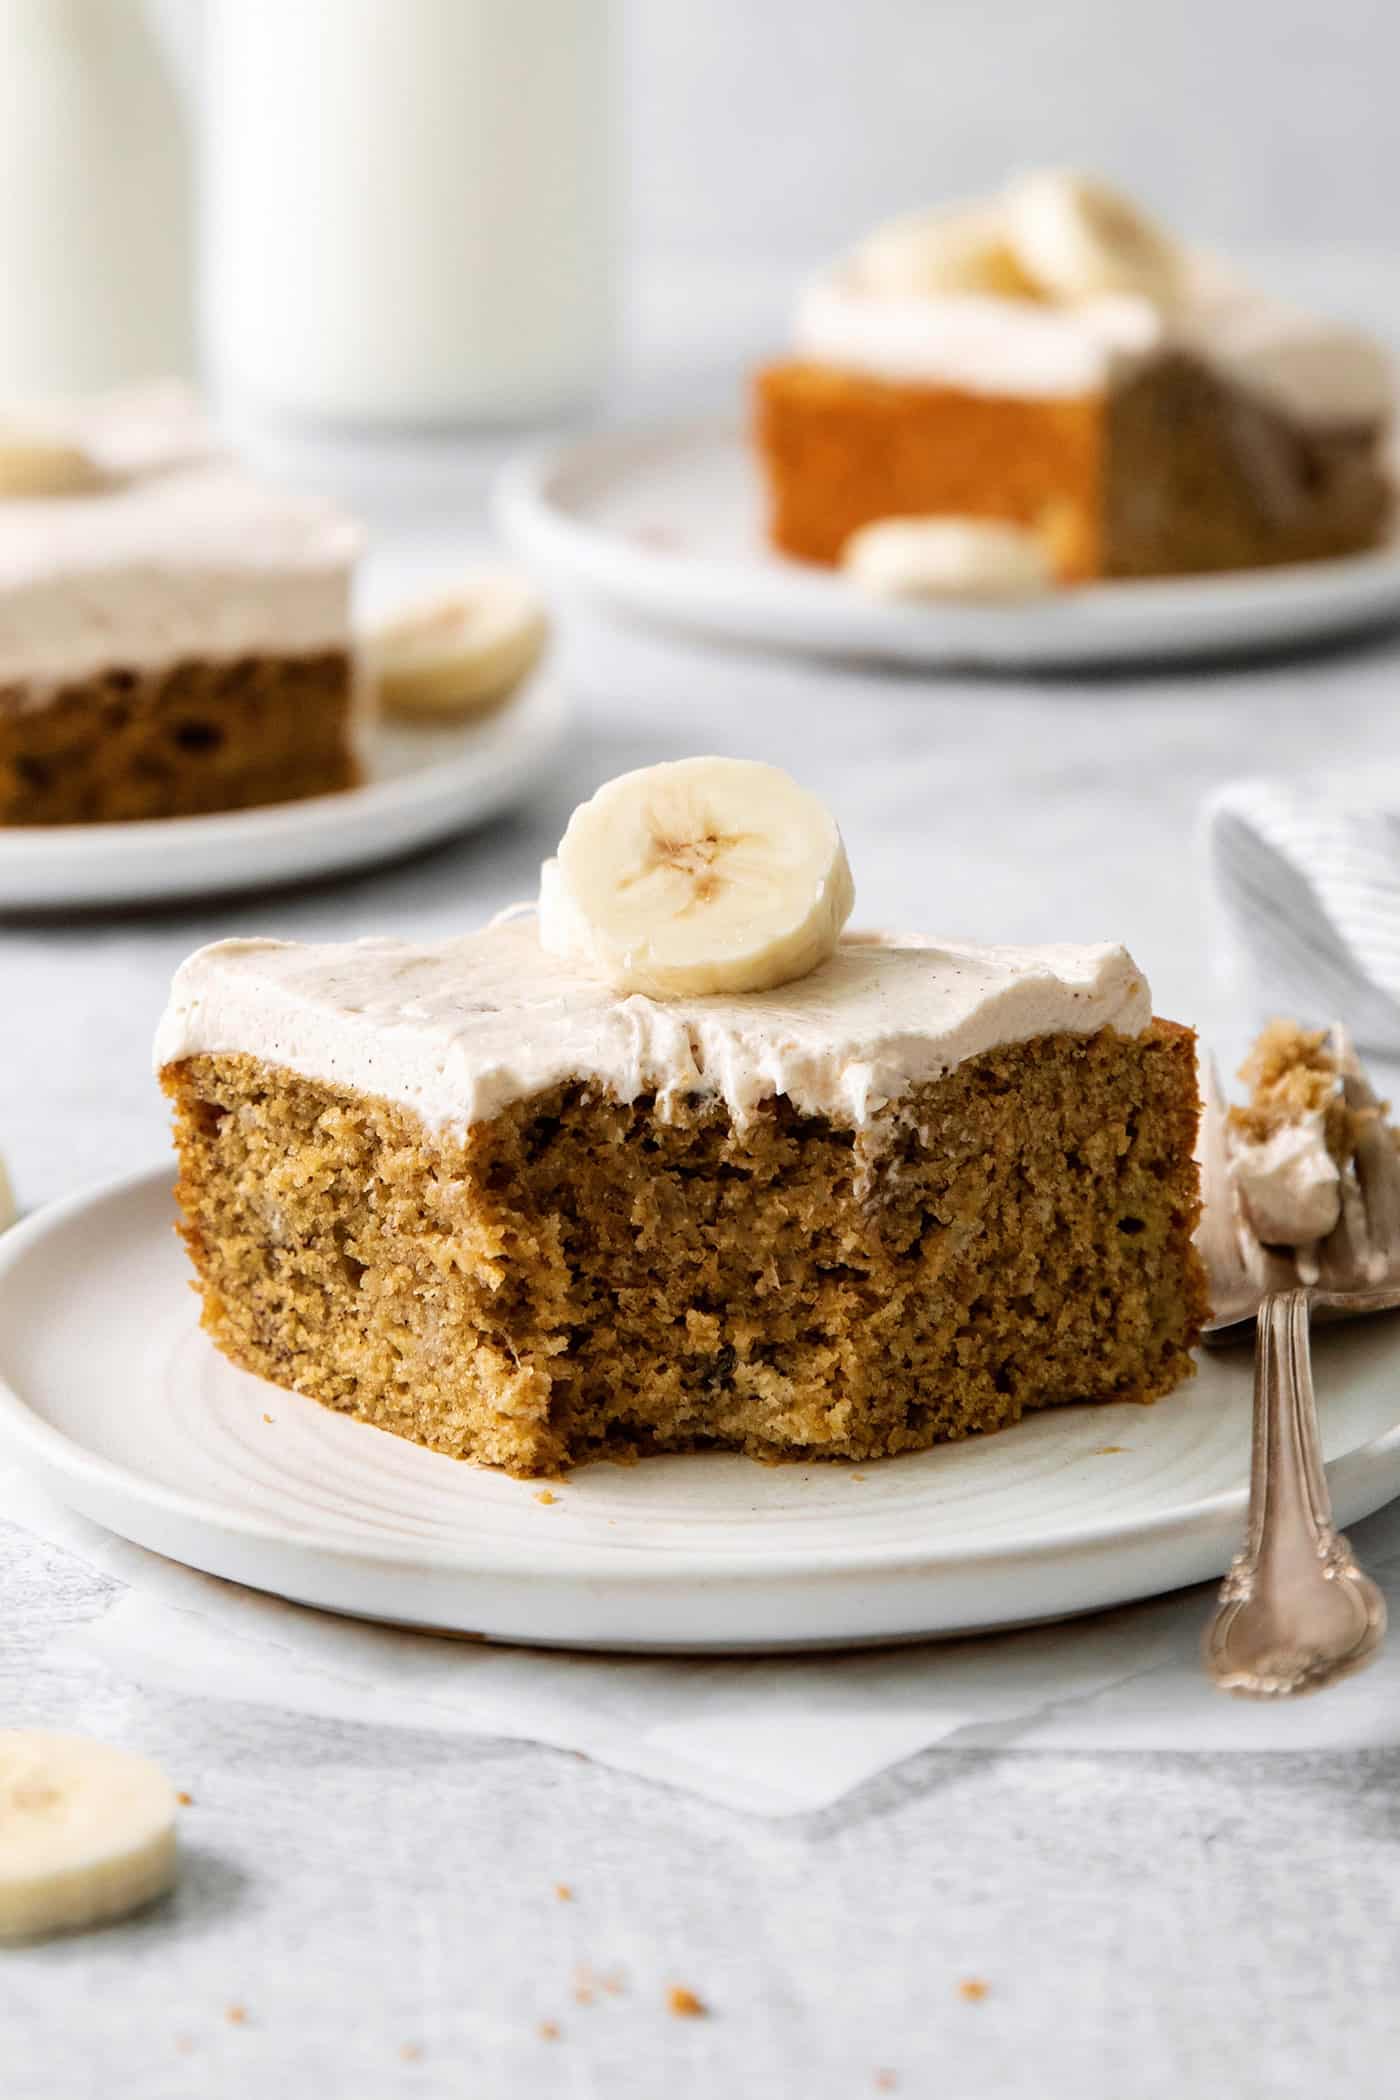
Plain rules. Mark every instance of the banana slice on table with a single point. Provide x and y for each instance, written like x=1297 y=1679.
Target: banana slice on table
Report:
x=87 y=1833
x=36 y=462
x=929 y=253
x=459 y=654
x=706 y=875
x=1080 y=239
x=946 y=557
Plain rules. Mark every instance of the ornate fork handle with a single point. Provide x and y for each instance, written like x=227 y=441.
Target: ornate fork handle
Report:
x=1295 y=1611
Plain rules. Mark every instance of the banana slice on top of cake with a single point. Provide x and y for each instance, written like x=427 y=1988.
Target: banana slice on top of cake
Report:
x=677 y=1163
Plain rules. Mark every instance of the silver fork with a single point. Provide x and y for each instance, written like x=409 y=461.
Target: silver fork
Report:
x=1295 y=1611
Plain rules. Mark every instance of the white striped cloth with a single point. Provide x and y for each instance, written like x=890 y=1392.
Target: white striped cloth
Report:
x=1305 y=877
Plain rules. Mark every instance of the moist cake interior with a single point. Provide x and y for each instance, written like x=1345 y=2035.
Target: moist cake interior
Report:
x=182 y=741
x=579 y=1276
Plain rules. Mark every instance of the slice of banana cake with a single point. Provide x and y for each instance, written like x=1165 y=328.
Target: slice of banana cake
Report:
x=674 y=1163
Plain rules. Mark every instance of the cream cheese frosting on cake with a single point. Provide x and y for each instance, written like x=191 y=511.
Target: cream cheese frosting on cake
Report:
x=175 y=552
x=1312 y=369
x=458 y=1031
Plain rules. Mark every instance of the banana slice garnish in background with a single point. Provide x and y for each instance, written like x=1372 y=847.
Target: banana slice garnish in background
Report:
x=1078 y=239
x=461 y=653
x=705 y=875
x=930 y=253
x=947 y=557
x=36 y=462
x=87 y=1833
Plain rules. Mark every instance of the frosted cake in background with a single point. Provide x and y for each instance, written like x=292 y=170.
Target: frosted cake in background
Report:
x=174 y=633
x=1053 y=360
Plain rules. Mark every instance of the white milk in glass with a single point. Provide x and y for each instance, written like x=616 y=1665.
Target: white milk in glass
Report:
x=95 y=249
x=408 y=206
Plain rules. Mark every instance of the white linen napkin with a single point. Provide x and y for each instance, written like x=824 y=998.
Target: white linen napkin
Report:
x=774 y=1736
x=1305 y=876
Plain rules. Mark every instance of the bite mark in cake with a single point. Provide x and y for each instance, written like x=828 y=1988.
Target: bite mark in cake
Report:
x=478 y=1195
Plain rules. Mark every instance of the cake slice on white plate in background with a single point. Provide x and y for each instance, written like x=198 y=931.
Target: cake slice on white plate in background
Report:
x=1052 y=360
x=174 y=633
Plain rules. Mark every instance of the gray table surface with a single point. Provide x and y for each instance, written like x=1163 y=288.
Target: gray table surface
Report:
x=1149 y=1927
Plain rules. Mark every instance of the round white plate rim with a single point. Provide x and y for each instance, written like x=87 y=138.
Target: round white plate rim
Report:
x=57 y=865
x=67 y=1457
x=789 y=606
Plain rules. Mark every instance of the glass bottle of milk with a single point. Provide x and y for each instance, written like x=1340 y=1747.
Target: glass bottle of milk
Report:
x=409 y=207
x=95 y=263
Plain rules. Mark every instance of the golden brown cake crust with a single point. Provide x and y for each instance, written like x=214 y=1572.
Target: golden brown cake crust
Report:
x=184 y=741
x=1176 y=472
x=581 y=1278
x=840 y=450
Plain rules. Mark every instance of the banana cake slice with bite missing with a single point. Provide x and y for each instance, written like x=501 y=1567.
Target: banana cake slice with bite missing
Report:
x=676 y=1164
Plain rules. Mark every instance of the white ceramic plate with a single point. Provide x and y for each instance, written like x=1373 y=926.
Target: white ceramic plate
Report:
x=109 y=1389
x=667 y=523
x=424 y=783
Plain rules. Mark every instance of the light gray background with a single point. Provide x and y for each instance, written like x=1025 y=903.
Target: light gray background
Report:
x=772 y=126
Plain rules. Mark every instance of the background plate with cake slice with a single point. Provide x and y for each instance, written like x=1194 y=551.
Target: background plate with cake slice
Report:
x=1030 y=431
x=185 y=705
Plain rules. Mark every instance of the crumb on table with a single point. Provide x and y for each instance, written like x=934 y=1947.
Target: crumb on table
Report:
x=545 y=1495
x=683 y=2004
x=564 y=1891
x=237 y=2015
x=548 y=2030
x=185 y=1800
x=411 y=2052
x=973 y=1989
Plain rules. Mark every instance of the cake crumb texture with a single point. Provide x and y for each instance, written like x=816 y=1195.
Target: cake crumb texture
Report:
x=1292 y=1073
x=579 y=1278
x=186 y=740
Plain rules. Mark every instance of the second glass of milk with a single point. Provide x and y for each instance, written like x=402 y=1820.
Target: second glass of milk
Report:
x=409 y=207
